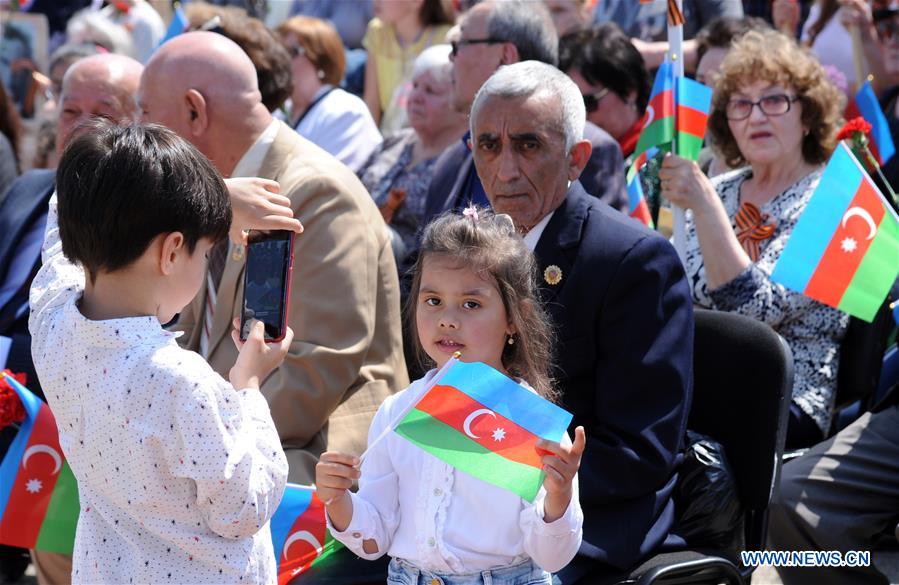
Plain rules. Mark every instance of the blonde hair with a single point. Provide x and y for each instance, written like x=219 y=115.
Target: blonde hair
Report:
x=491 y=247
x=771 y=56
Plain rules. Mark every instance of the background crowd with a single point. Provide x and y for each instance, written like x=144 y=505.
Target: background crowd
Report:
x=361 y=110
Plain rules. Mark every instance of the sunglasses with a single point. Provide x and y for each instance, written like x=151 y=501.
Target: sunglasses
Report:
x=456 y=45
x=591 y=100
x=888 y=29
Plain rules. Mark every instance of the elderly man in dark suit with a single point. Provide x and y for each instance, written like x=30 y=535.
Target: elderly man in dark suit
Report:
x=617 y=295
x=495 y=34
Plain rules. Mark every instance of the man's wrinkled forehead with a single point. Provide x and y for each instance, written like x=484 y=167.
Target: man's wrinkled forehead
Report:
x=537 y=114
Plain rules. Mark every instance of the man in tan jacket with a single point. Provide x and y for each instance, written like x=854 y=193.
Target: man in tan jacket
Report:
x=344 y=309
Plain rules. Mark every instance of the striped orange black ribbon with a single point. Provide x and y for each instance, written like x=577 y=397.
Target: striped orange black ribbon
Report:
x=675 y=16
x=751 y=232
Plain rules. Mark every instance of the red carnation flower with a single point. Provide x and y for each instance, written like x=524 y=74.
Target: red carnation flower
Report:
x=853 y=126
x=11 y=408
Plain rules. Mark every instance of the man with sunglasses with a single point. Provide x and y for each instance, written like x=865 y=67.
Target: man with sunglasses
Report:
x=494 y=34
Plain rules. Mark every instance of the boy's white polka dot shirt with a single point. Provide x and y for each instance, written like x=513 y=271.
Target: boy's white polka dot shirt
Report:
x=178 y=473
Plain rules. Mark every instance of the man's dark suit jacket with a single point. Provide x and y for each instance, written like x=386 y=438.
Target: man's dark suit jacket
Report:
x=624 y=323
x=26 y=201
x=603 y=177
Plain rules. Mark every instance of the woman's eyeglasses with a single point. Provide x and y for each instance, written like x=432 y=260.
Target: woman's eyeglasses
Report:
x=591 y=100
x=770 y=105
x=456 y=45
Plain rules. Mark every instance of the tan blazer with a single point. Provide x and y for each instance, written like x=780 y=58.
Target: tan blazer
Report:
x=347 y=353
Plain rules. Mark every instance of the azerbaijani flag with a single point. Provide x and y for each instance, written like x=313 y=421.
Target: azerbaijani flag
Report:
x=299 y=534
x=866 y=105
x=483 y=423
x=636 y=200
x=844 y=250
x=693 y=101
x=38 y=494
x=178 y=25
x=658 y=121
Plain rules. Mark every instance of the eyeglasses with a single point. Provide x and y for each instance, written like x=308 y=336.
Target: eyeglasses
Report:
x=456 y=45
x=770 y=105
x=295 y=51
x=888 y=29
x=591 y=100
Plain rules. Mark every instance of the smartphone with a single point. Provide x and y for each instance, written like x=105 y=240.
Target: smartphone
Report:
x=266 y=286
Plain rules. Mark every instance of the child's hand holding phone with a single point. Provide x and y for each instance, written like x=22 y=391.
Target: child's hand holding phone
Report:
x=560 y=464
x=257 y=359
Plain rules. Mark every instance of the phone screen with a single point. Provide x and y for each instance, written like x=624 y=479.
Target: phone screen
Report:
x=267 y=282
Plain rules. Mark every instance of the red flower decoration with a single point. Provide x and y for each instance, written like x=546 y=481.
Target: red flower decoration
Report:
x=11 y=408
x=853 y=126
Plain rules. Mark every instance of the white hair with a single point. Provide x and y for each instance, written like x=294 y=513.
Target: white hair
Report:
x=527 y=78
x=435 y=59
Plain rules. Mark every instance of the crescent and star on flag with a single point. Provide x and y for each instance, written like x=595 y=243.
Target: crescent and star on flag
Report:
x=34 y=485
x=849 y=244
x=498 y=434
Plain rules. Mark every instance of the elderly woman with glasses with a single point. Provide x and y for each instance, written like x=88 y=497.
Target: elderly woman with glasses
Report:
x=776 y=115
x=612 y=77
x=336 y=120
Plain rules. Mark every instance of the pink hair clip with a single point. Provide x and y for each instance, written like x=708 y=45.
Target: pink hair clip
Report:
x=471 y=212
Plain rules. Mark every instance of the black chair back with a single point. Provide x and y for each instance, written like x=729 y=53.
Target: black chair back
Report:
x=742 y=383
x=861 y=358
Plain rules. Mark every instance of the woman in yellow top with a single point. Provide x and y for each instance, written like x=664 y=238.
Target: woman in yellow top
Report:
x=400 y=31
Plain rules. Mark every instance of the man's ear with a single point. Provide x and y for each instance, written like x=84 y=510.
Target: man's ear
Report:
x=198 y=119
x=578 y=157
x=170 y=247
x=509 y=55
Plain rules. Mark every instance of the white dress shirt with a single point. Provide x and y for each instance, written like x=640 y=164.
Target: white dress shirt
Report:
x=341 y=124
x=422 y=510
x=178 y=473
x=533 y=236
x=250 y=163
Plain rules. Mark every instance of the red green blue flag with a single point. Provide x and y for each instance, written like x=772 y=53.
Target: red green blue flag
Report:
x=636 y=200
x=38 y=494
x=844 y=250
x=299 y=533
x=866 y=105
x=658 y=120
x=483 y=423
x=693 y=101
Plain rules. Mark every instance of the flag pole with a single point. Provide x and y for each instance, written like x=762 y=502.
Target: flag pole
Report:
x=402 y=414
x=676 y=56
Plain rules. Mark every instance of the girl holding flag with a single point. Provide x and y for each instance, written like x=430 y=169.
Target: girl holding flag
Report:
x=474 y=293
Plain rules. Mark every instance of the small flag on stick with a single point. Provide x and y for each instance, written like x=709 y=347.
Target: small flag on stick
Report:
x=866 y=105
x=483 y=423
x=843 y=250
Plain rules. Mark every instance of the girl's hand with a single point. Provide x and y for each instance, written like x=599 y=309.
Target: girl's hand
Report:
x=684 y=184
x=257 y=205
x=560 y=467
x=334 y=475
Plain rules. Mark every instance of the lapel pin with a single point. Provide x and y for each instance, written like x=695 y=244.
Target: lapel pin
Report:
x=552 y=275
x=237 y=253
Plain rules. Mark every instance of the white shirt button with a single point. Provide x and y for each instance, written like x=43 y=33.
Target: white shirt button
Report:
x=432 y=542
x=357 y=535
x=438 y=492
